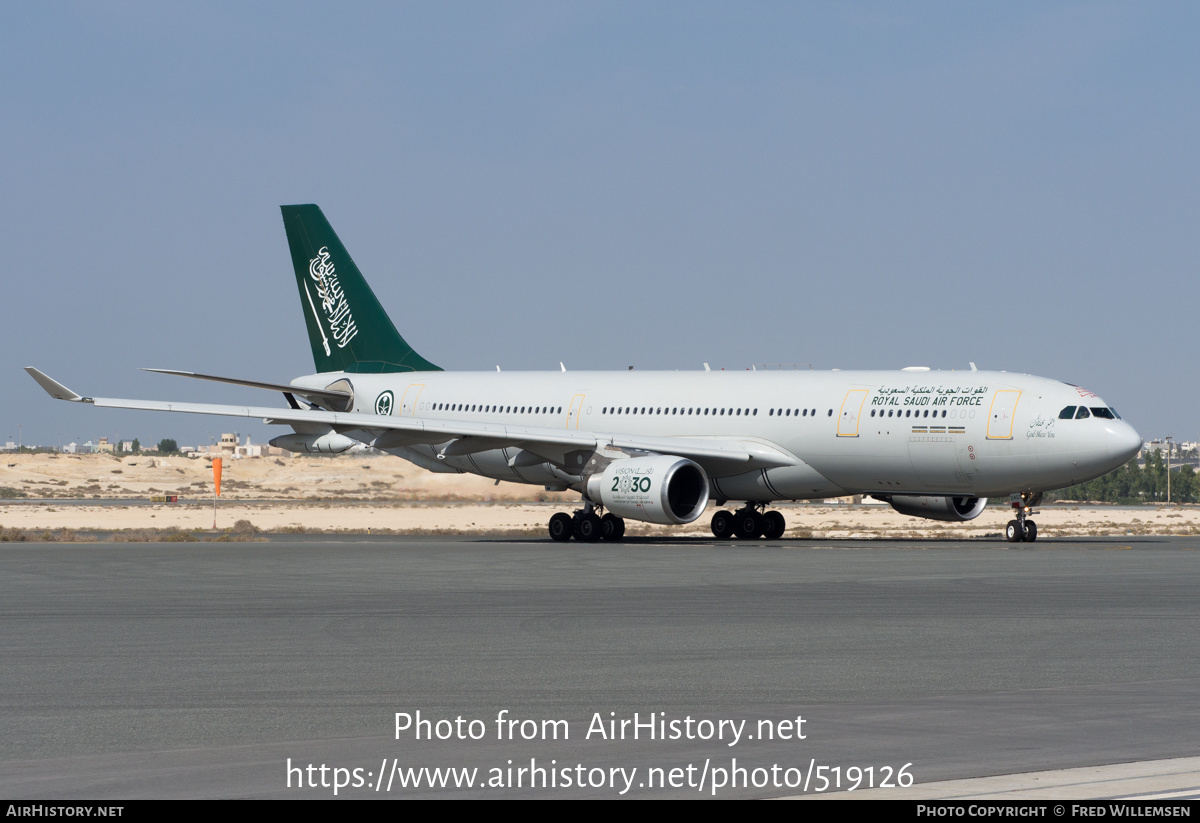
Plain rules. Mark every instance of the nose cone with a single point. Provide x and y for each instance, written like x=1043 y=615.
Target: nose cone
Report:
x=1123 y=442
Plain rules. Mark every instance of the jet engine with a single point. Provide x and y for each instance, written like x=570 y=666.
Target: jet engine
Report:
x=955 y=509
x=663 y=489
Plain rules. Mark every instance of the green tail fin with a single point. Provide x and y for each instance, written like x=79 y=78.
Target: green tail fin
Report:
x=348 y=329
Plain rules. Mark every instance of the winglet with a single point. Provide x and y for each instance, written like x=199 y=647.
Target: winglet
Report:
x=53 y=388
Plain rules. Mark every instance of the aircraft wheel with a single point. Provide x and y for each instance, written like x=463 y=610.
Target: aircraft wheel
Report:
x=773 y=525
x=722 y=525
x=588 y=528
x=612 y=527
x=1030 y=531
x=561 y=527
x=1013 y=533
x=747 y=524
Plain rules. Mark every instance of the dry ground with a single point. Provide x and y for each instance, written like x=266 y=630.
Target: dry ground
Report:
x=385 y=494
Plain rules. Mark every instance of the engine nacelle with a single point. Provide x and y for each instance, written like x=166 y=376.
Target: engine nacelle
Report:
x=663 y=489
x=328 y=443
x=955 y=509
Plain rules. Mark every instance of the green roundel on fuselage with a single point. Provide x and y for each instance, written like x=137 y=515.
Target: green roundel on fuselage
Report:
x=348 y=330
x=384 y=403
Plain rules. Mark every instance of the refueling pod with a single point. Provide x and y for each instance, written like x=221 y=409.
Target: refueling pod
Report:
x=663 y=489
x=328 y=443
x=953 y=509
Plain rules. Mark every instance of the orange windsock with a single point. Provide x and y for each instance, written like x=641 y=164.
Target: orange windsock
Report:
x=217 y=474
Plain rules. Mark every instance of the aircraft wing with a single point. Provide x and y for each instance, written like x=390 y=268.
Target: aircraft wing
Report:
x=721 y=456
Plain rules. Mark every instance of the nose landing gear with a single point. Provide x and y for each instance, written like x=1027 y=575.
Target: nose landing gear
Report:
x=1023 y=529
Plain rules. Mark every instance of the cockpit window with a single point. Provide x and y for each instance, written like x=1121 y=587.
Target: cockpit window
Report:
x=1114 y=411
x=1067 y=413
x=1102 y=411
x=1082 y=413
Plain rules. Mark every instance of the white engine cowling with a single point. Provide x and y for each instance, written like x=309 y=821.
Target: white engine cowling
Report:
x=662 y=489
x=955 y=509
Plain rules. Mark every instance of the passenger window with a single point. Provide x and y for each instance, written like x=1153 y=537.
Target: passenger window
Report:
x=1068 y=413
x=1082 y=413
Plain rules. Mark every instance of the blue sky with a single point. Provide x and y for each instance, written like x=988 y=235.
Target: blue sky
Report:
x=851 y=185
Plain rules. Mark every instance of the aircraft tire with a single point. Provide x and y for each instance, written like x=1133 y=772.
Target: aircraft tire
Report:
x=588 y=528
x=612 y=527
x=747 y=524
x=1030 y=531
x=561 y=527
x=722 y=525
x=1013 y=533
x=773 y=525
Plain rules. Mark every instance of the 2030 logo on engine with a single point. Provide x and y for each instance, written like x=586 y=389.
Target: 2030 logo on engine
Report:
x=631 y=484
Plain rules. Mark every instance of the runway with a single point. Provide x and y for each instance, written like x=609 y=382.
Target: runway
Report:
x=200 y=670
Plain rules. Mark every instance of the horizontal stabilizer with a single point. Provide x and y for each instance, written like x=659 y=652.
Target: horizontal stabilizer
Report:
x=315 y=394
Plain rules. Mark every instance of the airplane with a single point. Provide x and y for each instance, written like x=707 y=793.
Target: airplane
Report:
x=658 y=447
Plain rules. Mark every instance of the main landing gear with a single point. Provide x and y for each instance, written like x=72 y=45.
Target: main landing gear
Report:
x=1023 y=529
x=586 y=526
x=748 y=523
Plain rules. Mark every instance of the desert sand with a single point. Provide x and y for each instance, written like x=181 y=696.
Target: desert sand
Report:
x=357 y=493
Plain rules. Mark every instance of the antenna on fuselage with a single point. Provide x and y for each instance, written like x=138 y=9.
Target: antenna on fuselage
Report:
x=561 y=366
x=973 y=367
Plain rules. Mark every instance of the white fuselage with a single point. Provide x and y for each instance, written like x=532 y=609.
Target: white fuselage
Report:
x=965 y=433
